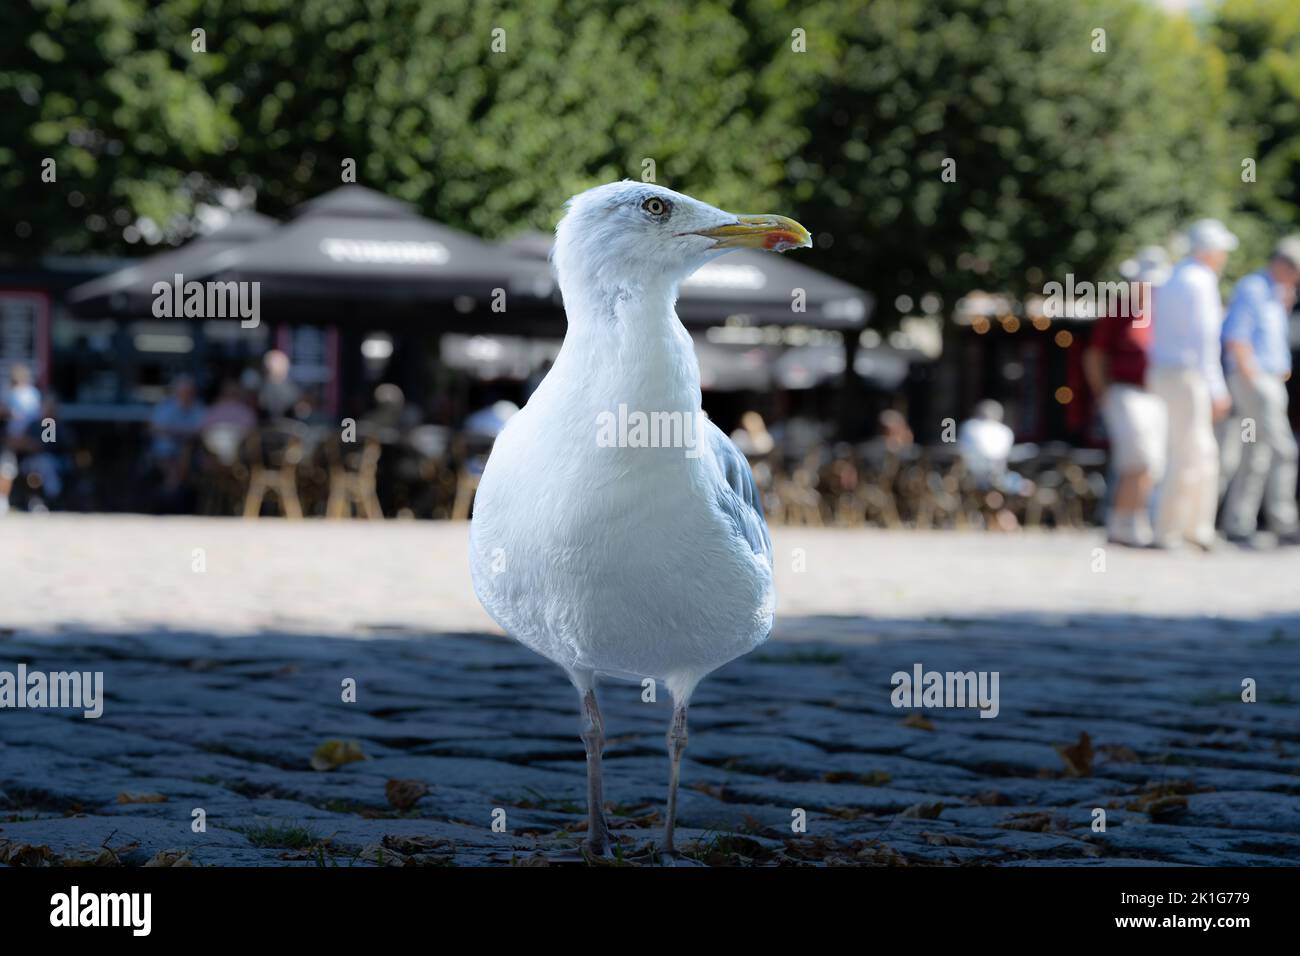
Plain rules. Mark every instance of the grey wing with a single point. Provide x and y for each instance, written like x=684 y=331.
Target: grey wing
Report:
x=738 y=497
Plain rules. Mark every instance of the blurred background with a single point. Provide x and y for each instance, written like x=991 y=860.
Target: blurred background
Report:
x=390 y=174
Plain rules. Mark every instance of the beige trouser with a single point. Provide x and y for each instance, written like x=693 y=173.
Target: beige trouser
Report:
x=1189 y=494
x=1267 y=473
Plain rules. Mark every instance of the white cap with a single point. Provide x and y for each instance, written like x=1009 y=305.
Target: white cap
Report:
x=1289 y=249
x=1210 y=235
x=1151 y=264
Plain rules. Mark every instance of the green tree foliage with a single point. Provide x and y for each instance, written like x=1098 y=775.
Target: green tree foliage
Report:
x=1066 y=159
x=839 y=111
x=1261 y=41
x=106 y=89
x=485 y=130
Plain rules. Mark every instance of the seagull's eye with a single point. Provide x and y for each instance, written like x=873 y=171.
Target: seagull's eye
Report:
x=656 y=207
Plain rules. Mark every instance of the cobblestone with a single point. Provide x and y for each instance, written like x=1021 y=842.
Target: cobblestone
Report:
x=220 y=687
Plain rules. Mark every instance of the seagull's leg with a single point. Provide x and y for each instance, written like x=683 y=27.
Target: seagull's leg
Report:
x=676 y=744
x=593 y=736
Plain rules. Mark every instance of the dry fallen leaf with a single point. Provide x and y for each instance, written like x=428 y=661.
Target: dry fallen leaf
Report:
x=24 y=854
x=404 y=794
x=650 y=819
x=335 y=753
x=1077 y=756
x=1118 y=753
x=716 y=791
x=102 y=856
x=846 y=813
x=881 y=854
x=1031 y=822
x=1167 y=807
x=922 y=811
x=947 y=839
x=919 y=721
x=171 y=858
x=126 y=797
x=410 y=851
x=991 y=798
x=410 y=845
x=877 y=778
x=1163 y=800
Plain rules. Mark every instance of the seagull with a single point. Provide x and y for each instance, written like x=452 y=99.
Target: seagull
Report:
x=613 y=547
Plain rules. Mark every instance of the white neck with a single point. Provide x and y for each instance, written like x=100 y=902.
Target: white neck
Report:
x=625 y=344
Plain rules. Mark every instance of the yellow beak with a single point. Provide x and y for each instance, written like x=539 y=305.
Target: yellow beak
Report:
x=776 y=233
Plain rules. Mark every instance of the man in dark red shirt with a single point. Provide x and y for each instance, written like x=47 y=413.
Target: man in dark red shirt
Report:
x=1115 y=364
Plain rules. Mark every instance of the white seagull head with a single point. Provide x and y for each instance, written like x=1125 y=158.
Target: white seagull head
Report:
x=631 y=233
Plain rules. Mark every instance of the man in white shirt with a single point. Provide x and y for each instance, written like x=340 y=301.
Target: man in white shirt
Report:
x=1185 y=370
x=985 y=442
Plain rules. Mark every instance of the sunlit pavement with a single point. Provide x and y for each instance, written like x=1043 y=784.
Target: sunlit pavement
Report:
x=219 y=687
x=358 y=578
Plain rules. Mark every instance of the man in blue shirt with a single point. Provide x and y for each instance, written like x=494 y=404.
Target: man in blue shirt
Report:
x=1258 y=359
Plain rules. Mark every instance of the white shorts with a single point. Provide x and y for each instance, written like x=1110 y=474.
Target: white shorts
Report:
x=1135 y=422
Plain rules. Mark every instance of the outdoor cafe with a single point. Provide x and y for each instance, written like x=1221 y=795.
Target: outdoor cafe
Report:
x=384 y=353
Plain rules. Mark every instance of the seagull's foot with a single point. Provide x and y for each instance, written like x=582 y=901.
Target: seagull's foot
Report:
x=598 y=848
x=670 y=856
x=598 y=843
x=668 y=846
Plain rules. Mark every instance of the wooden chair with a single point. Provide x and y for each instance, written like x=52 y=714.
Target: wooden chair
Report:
x=472 y=453
x=225 y=473
x=353 y=467
x=274 y=455
x=426 y=472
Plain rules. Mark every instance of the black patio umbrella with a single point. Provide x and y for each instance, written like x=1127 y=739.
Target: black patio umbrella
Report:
x=747 y=285
x=128 y=293
x=356 y=256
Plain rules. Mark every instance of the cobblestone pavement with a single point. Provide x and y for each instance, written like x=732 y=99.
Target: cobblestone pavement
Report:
x=1120 y=690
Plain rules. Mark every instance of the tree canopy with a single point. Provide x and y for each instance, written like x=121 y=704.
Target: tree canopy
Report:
x=1061 y=155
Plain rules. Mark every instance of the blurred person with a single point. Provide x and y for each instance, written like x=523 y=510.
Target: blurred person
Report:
x=278 y=393
x=1258 y=358
x=1185 y=371
x=232 y=407
x=20 y=404
x=488 y=422
x=895 y=431
x=752 y=437
x=22 y=400
x=389 y=409
x=798 y=436
x=43 y=450
x=985 y=442
x=175 y=422
x=1115 y=364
